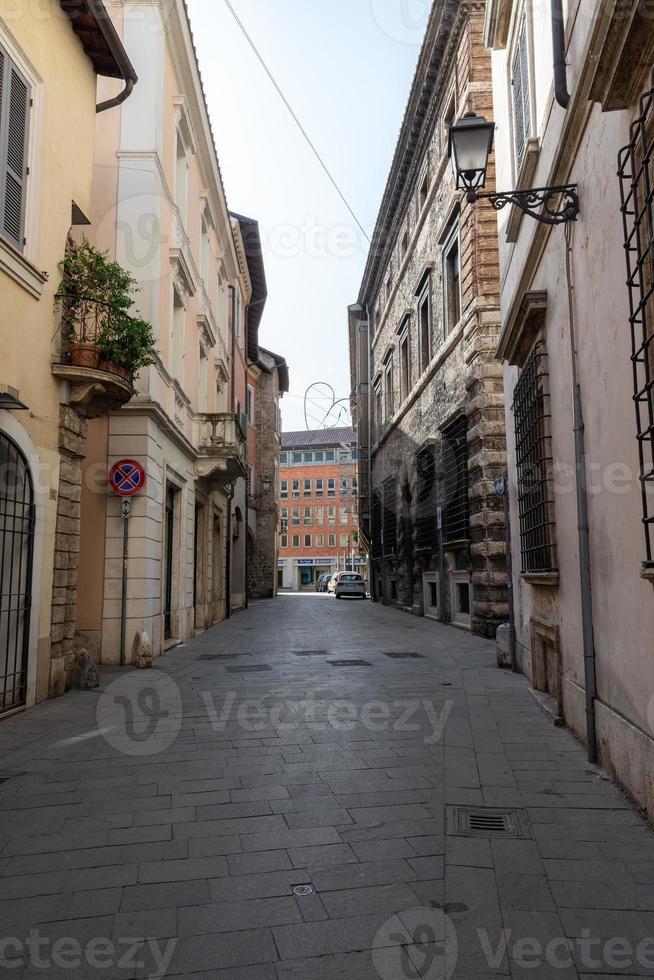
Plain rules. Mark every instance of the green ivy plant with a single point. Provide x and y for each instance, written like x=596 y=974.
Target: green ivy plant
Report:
x=90 y=277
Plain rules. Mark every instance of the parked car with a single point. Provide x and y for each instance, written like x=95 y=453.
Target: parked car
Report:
x=350 y=584
x=322 y=580
x=331 y=584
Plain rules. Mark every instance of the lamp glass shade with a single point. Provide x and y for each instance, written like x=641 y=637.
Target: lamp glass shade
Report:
x=471 y=140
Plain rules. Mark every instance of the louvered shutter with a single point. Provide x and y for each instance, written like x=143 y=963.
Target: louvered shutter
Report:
x=14 y=123
x=521 y=97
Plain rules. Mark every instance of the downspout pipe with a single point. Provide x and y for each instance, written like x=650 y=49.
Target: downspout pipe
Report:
x=585 y=579
x=561 y=93
x=115 y=45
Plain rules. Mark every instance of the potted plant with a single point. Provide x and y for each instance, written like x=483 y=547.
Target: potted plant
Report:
x=96 y=296
x=127 y=345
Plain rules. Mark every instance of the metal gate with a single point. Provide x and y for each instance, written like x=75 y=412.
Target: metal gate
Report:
x=636 y=173
x=16 y=555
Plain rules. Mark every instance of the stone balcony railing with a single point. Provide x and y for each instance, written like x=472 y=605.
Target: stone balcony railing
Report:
x=221 y=448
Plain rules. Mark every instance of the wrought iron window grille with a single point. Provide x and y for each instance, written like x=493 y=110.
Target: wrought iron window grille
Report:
x=534 y=462
x=456 y=510
x=636 y=174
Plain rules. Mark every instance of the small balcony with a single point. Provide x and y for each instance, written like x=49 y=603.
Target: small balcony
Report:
x=221 y=449
x=97 y=385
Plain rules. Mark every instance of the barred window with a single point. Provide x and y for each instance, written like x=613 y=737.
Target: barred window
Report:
x=376 y=525
x=390 y=519
x=456 y=512
x=426 y=502
x=531 y=411
x=637 y=194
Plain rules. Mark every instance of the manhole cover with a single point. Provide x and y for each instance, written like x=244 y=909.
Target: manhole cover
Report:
x=481 y=822
x=303 y=891
x=349 y=663
x=403 y=655
x=254 y=669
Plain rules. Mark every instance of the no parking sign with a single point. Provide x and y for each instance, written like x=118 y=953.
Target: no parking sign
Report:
x=127 y=478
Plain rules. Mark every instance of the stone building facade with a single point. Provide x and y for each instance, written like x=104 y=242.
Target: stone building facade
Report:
x=272 y=382
x=427 y=391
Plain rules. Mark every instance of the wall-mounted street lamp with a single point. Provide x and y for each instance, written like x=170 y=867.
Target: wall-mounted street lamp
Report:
x=266 y=487
x=470 y=144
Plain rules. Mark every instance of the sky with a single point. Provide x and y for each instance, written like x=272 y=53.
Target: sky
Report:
x=346 y=68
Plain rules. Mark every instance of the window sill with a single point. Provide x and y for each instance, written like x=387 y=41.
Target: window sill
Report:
x=21 y=270
x=547 y=580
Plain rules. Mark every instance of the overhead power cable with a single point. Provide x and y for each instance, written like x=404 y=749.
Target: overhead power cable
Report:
x=288 y=105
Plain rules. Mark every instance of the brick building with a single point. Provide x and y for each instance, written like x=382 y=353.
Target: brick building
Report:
x=317 y=505
x=270 y=380
x=426 y=389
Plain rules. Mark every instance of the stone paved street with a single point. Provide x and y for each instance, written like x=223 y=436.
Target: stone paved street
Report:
x=256 y=759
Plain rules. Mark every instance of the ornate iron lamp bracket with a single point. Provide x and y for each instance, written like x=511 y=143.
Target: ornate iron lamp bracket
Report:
x=541 y=203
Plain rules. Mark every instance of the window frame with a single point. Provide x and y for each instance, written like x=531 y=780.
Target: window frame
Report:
x=283 y=489
x=404 y=346
x=523 y=33
x=451 y=242
x=424 y=299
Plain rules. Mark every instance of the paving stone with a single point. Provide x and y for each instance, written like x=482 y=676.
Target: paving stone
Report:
x=337 y=936
x=258 y=862
x=223 y=951
x=324 y=856
x=165 y=895
x=369 y=901
x=234 y=916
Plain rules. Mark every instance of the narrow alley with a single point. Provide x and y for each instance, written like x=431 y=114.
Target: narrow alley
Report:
x=317 y=790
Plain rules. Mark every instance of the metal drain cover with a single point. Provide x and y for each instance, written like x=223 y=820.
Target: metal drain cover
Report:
x=463 y=821
x=402 y=655
x=303 y=891
x=219 y=656
x=253 y=669
x=349 y=663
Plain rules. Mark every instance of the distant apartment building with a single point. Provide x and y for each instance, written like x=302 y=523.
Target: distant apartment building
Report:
x=317 y=501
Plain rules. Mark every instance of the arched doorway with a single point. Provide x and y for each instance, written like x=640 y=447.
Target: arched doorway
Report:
x=17 y=515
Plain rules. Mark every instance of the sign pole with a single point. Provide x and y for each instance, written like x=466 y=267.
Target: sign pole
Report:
x=126 y=479
x=126 y=508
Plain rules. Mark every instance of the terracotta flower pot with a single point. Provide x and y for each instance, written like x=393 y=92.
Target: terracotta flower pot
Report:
x=84 y=355
x=112 y=368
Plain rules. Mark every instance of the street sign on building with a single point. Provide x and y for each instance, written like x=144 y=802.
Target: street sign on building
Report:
x=127 y=478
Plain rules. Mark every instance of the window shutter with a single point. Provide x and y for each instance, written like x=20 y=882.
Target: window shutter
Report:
x=14 y=123
x=521 y=99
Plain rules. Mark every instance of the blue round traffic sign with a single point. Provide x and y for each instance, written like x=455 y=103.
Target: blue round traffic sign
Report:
x=127 y=477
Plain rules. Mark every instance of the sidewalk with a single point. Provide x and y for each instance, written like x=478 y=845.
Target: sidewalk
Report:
x=158 y=826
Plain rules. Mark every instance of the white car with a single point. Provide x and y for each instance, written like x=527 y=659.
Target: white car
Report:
x=350 y=584
x=331 y=584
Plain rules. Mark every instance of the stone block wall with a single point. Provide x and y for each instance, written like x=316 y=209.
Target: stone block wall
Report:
x=72 y=447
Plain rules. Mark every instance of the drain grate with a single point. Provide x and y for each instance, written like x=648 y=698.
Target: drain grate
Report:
x=219 y=656
x=349 y=663
x=403 y=655
x=481 y=822
x=310 y=653
x=254 y=669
